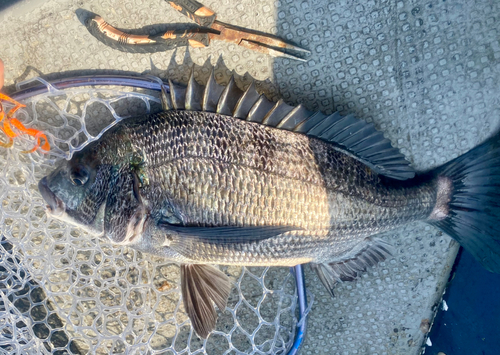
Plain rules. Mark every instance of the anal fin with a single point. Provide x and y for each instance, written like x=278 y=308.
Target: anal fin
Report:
x=201 y=287
x=369 y=253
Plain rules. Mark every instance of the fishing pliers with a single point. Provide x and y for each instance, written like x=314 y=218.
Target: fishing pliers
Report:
x=200 y=36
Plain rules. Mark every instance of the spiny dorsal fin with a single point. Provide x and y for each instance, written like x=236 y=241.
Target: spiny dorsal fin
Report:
x=246 y=101
x=229 y=98
x=166 y=101
x=294 y=118
x=351 y=135
x=211 y=94
x=259 y=109
x=177 y=95
x=311 y=122
x=277 y=114
x=194 y=94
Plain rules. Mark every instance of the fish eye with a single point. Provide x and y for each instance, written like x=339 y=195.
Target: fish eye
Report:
x=79 y=176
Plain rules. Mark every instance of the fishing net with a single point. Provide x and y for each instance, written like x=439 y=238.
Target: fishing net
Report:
x=63 y=291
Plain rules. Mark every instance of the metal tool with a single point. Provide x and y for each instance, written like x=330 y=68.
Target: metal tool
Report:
x=200 y=36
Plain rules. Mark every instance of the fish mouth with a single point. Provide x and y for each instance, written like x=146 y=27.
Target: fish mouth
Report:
x=55 y=205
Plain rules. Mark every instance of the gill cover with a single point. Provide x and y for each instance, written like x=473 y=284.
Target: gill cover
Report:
x=124 y=214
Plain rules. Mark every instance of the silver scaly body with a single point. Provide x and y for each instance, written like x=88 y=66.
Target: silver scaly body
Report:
x=222 y=171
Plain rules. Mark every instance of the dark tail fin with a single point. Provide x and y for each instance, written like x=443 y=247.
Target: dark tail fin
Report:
x=471 y=212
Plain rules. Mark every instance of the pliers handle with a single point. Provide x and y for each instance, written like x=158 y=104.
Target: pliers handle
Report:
x=127 y=42
x=197 y=12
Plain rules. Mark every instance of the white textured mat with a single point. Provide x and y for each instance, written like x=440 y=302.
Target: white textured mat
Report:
x=425 y=72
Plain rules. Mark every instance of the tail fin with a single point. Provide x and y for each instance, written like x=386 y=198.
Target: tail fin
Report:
x=471 y=212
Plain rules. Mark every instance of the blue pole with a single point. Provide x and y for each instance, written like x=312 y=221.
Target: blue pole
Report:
x=302 y=299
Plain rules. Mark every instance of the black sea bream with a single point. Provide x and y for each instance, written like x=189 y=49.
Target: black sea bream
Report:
x=227 y=177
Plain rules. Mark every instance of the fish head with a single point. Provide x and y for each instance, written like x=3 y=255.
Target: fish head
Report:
x=99 y=190
x=76 y=191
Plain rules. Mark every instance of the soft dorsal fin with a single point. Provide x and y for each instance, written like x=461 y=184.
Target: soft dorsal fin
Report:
x=350 y=134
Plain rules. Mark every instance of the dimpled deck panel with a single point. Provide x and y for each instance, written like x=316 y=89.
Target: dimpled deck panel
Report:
x=425 y=72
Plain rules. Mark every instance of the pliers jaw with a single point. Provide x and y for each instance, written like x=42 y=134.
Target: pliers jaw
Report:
x=255 y=40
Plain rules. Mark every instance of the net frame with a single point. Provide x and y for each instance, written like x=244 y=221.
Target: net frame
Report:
x=18 y=283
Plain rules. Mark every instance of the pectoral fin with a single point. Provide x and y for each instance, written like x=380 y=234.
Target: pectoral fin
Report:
x=202 y=286
x=225 y=235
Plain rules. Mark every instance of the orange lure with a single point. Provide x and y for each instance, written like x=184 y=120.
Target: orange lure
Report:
x=9 y=121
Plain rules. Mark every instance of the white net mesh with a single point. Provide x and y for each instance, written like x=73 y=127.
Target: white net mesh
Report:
x=63 y=291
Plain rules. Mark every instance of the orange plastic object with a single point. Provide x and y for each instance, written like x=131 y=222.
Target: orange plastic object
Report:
x=9 y=121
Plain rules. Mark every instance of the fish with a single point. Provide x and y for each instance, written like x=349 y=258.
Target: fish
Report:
x=225 y=176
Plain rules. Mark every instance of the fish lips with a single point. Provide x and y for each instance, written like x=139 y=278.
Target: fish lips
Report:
x=55 y=205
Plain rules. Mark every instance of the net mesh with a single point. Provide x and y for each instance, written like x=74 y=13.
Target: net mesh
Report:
x=63 y=291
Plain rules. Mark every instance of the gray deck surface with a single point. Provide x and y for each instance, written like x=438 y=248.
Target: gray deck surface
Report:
x=425 y=72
